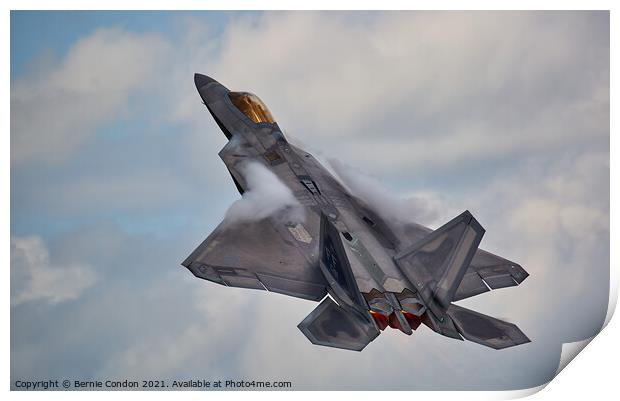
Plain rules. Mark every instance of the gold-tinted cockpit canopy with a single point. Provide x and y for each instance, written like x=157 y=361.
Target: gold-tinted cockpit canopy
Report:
x=251 y=106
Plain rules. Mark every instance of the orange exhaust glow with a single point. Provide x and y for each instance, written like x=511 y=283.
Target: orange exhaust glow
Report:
x=381 y=320
x=413 y=320
x=384 y=321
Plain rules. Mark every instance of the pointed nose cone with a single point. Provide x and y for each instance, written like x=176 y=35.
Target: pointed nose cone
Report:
x=202 y=80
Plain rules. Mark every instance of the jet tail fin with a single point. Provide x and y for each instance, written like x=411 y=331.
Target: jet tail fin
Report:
x=437 y=263
x=333 y=326
x=336 y=267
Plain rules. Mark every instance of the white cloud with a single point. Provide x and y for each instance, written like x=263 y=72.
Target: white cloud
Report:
x=553 y=219
x=59 y=106
x=197 y=349
x=424 y=89
x=34 y=278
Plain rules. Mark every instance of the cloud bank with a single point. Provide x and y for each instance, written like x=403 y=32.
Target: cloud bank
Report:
x=57 y=106
x=34 y=278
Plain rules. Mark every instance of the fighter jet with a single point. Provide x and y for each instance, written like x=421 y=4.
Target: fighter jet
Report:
x=367 y=274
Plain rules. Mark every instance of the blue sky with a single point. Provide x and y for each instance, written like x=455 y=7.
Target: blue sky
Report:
x=115 y=179
x=34 y=33
x=55 y=33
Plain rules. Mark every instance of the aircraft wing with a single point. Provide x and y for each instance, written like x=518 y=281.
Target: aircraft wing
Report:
x=485 y=272
x=487 y=269
x=257 y=255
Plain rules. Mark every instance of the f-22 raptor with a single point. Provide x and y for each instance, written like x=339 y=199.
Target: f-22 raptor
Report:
x=366 y=274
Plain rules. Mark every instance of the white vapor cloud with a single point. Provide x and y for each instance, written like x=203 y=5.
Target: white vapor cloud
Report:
x=265 y=196
x=34 y=278
x=424 y=208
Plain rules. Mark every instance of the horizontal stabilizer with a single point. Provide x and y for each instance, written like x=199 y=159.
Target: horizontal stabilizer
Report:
x=333 y=326
x=496 y=273
x=485 y=330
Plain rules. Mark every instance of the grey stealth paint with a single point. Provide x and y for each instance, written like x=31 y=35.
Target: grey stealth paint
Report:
x=376 y=276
